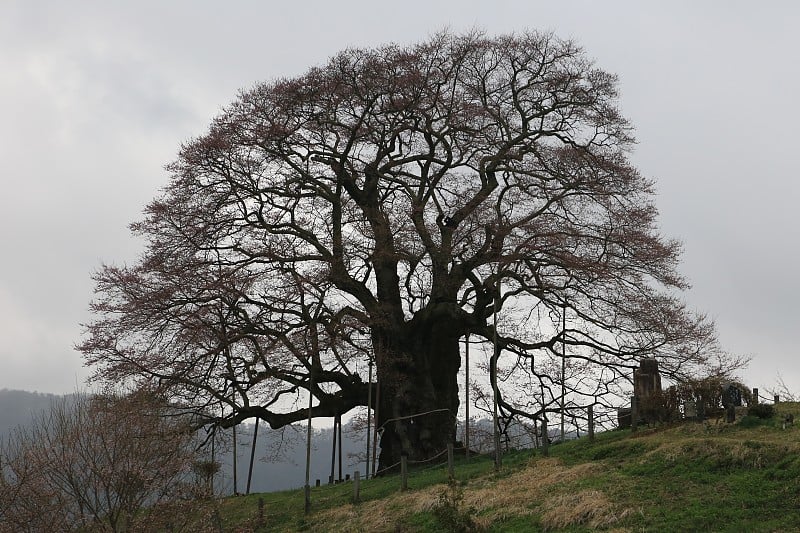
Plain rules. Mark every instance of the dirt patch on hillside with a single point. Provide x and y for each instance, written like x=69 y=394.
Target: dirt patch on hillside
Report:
x=534 y=490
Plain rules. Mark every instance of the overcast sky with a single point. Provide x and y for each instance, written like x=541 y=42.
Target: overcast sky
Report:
x=96 y=97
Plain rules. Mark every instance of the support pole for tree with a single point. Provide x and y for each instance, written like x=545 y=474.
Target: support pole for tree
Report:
x=332 y=479
x=377 y=418
x=214 y=455
x=252 y=457
x=495 y=392
x=339 y=425
x=369 y=415
x=466 y=395
x=235 y=454
x=307 y=507
x=563 y=363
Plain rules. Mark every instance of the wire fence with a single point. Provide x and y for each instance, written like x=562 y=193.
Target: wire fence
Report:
x=517 y=435
x=514 y=435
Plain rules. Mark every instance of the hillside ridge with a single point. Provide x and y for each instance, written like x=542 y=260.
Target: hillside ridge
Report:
x=685 y=477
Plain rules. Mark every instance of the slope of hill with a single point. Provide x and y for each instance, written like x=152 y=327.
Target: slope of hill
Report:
x=690 y=477
x=19 y=407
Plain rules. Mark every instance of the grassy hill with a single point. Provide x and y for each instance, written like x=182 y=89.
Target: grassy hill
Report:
x=707 y=476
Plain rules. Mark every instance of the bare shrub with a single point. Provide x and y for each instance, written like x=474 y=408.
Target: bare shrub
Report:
x=95 y=463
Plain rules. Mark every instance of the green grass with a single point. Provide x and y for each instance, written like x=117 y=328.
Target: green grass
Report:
x=688 y=477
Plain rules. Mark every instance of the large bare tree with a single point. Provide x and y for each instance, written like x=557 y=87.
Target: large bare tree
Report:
x=382 y=207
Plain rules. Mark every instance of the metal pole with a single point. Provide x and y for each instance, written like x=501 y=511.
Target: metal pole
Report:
x=213 y=462
x=332 y=479
x=563 y=362
x=235 y=451
x=377 y=418
x=308 y=443
x=493 y=370
x=252 y=456
x=369 y=414
x=466 y=396
x=339 y=425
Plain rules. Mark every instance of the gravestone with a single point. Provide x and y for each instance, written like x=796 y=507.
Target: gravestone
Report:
x=731 y=396
x=650 y=403
x=646 y=379
x=731 y=399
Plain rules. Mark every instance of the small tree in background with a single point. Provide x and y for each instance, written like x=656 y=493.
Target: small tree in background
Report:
x=707 y=393
x=782 y=391
x=98 y=463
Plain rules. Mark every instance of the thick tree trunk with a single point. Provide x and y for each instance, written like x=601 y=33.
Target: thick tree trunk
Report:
x=418 y=373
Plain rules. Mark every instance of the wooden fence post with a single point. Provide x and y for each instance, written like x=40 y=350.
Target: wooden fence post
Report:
x=591 y=423
x=634 y=413
x=450 y=469
x=403 y=472
x=755 y=396
x=777 y=399
x=260 y=522
x=356 y=486
x=217 y=520
x=545 y=439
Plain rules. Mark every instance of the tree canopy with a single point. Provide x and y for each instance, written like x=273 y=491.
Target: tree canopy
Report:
x=382 y=207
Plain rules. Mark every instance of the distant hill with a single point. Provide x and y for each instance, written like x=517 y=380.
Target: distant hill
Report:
x=279 y=459
x=18 y=407
x=280 y=454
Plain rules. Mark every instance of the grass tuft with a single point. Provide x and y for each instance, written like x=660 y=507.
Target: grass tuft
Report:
x=589 y=508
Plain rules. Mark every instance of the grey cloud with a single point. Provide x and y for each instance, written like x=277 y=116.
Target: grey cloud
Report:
x=96 y=97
